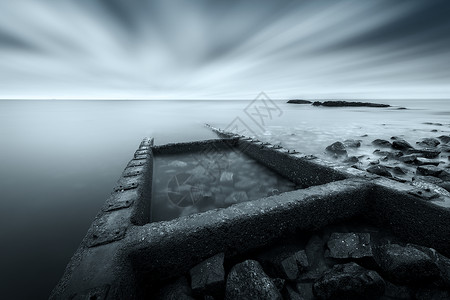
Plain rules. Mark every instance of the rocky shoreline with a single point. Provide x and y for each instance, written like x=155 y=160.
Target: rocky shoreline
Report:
x=427 y=164
x=339 y=262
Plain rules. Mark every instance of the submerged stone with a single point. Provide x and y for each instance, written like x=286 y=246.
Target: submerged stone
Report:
x=226 y=178
x=247 y=280
x=236 y=197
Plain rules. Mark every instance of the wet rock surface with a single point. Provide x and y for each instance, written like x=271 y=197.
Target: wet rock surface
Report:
x=349 y=281
x=379 y=170
x=327 y=264
x=337 y=149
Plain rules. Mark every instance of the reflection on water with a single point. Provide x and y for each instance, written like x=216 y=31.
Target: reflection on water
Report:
x=60 y=160
x=186 y=184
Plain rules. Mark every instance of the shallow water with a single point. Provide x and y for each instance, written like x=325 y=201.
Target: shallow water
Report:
x=185 y=184
x=60 y=160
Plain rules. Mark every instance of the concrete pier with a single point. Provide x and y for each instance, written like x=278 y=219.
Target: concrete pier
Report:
x=124 y=254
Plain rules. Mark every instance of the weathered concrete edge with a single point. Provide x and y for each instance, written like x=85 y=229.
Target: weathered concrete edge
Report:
x=164 y=249
x=195 y=146
x=124 y=215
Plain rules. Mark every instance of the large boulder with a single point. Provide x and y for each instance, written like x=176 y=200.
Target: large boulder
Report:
x=401 y=144
x=349 y=245
x=247 y=280
x=352 y=143
x=428 y=142
x=408 y=159
x=349 y=281
x=208 y=277
x=428 y=170
x=381 y=143
x=405 y=265
x=336 y=148
x=444 y=138
x=379 y=170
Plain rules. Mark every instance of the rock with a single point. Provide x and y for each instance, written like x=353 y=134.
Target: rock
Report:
x=352 y=143
x=305 y=289
x=445 y=175
x=349 y=281
x=444 y=148
x=314 y=250
x=179 y=289
x=273 y=192
x=427 y=153
x=428 y=142
x=426 y=161
x=337 y=148
x=381 y=143
x=226 y=178
x=247 y=280
x=379 y=170
x=177 y=164
x=401 y=108
x=431 y=123
x=429 y=179
x=208 y=277
x=279 y=283
x=351 y=160
x=444 y=138
x=236 y=197
x=428 y=170
x=401 y=144
x=408 y=159
x=290 y=294
x=298 y=101
x=432 y=294
x=284 y=262
x=405 y=265
x=397 y=292
x=348 y=104
x=398 y=171
x=245 y=184
x=349 y=245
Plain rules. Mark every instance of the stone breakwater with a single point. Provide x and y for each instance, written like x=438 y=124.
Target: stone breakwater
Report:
x=345 y=233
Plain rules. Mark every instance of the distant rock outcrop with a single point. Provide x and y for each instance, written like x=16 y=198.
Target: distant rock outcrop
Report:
x=298 y=101
x=347 y=104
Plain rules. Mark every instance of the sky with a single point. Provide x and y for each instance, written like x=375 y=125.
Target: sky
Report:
x=227 y=49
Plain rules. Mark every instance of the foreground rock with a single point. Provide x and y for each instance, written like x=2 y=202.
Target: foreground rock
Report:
x=401 y=144
x=352 y=143
x=381 y=143
x=208 y=277
x=179 y=289
x=428 y=142
x=336 y=148
x=348 y=104
x=349 y=245
x=379 y=170
x=405 y=265
x=298 y=101
x=349 y=281
x=247 y=280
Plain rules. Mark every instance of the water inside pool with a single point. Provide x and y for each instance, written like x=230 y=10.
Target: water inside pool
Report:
x=185 y=184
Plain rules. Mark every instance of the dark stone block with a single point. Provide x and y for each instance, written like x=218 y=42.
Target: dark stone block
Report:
x=405 y=265
x=408 y=159
x=401 y=144
x=427 y=153
x=336 y=148
x=349 y=281
x=429 y=170
x=379 y=170
x=381 y=143
x=247 y=280
x=349 y=245
x=208 y=277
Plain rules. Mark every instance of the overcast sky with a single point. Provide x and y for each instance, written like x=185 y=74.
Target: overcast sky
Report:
x=175 y=49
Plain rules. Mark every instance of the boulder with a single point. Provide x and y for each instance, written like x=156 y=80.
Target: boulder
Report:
x=408 y=159
x=352 y=143
x=349 y=245
x=426 y=161
x=226 y=178
x=379 y=170
x=401 y=144
x=381 y=143
x=208 y=277
x=405 y=265
x=236 y=197
x=299 y=101
x=279 y=283
x=247 y=280
x=351 y=160
x=445 y=175
x=349 y=281
x=398 y=171
x=444 y=148
x=428 y=142
x=427 y=153
x=336 y=148
x=178 y=289
x=429 y=170
x=284 y=262
x=444 y=138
